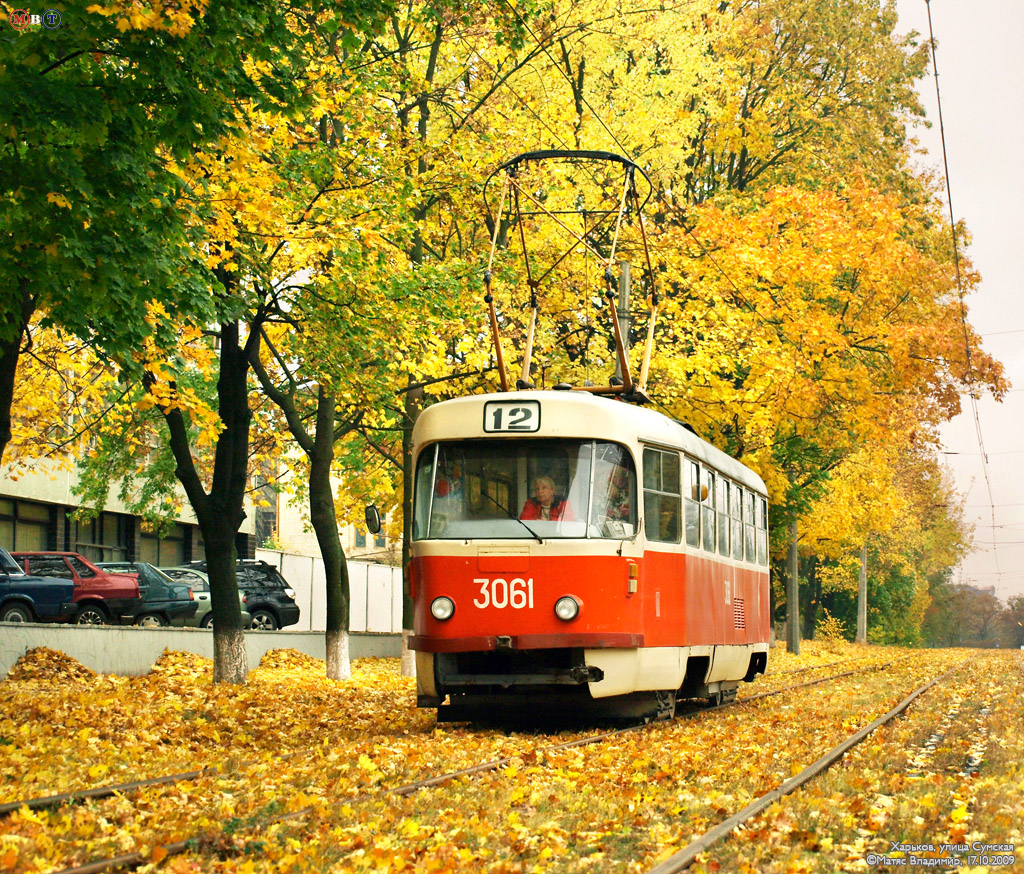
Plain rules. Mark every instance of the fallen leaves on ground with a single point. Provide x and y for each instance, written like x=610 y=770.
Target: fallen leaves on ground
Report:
x=292 y=742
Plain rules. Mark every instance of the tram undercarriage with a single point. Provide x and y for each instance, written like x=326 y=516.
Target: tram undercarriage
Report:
x=561 y=684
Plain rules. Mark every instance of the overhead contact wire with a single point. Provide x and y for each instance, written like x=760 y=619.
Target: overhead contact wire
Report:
x=971 y=389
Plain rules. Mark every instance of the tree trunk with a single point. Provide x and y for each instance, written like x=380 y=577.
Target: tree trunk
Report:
x=862 y=596
x=339 y=665
x=325 y=524
x=793 y=595
x=220 y=512
x=230 y=663
x=17 y=317
x=230 y=660
x=414 y=404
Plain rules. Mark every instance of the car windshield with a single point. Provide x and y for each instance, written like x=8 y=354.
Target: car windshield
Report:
x=525 y=489
x=8 y=565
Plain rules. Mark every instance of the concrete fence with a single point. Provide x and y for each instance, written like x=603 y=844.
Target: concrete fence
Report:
x=375 y=624
x=376 y=592
x=132 y=651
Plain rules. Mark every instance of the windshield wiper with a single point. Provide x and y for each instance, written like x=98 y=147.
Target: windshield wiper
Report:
x=512 y=515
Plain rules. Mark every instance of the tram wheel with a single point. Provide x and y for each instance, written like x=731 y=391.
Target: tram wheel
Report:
x=666 y=705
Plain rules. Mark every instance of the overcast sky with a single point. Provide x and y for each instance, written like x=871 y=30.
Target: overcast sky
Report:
x=981 y=83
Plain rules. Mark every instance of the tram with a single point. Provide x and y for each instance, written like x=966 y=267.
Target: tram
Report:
x=575 y=553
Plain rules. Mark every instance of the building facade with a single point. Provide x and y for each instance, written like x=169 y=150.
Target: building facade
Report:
x=37 y=510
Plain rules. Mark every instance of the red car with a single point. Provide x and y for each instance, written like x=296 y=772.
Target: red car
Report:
x=103 y=598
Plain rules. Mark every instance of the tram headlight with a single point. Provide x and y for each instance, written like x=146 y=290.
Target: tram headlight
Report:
x=442 y=608
x=567 y=608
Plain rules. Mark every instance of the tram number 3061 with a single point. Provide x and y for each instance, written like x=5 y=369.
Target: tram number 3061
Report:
x=517 y=593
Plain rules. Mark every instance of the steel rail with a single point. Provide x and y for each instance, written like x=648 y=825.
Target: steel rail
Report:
x=684 y=858
x=815 y=667
x=132 y=860
x=99 y=792
x=95 y=792
x=747 y=698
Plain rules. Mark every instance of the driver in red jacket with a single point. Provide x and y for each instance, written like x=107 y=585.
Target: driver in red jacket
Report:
x=545 y=504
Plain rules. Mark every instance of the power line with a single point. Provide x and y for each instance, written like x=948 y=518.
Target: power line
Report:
x=565 y=75
x=568 y=79
x=960 y=285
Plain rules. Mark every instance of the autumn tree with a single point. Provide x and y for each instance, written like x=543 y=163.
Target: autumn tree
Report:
x=94 y=115
x=804 y=92
x=1015 y=621
x=207 y=178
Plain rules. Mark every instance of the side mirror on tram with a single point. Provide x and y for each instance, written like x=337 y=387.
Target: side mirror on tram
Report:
x=372 y=519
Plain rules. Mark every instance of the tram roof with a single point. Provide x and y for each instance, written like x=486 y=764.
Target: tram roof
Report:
x=579 y=414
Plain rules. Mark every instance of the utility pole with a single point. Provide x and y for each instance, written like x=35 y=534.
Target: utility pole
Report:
x=862 y=596
x=793 y=594
x=623 y=311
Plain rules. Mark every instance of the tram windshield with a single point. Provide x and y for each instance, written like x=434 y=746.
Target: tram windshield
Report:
x=525 y=489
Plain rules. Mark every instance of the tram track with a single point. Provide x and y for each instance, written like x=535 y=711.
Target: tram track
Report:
x=132 y=860
x=107 y=791
x=682 y=860
x=809 y=668
x=951 y=734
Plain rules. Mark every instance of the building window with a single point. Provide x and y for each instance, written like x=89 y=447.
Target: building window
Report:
x=360 y=539
x=166 y=551
x=24 y=525
x=102 y=538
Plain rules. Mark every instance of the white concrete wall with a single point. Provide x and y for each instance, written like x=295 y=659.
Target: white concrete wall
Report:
x=132 y=651
x=376 y=592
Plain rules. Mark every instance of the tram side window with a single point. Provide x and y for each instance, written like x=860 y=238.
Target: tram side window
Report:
x=748 y=526
x=693 y=504
x=662 y=495
x=723 y=515
x=762 y=531
x=613 y=509
x=736 y=512
x=707 y=509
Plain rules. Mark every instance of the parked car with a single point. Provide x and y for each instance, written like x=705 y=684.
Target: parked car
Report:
x=102 y=597
x=164 y=602
x=271 y=599
x=200 y=583
x=30 y=598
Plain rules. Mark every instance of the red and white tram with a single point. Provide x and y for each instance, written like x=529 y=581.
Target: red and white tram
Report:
x=574 y=551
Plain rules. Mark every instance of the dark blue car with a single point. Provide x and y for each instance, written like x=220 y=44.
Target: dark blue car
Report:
x=30 y=598
x=164 y=602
